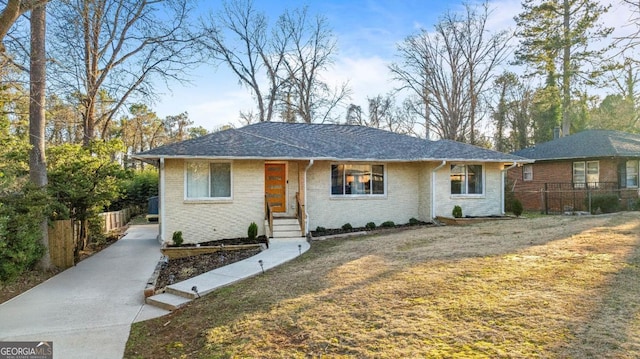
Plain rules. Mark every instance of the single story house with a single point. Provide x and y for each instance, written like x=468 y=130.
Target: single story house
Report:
x=213 y=187
x=569 y=168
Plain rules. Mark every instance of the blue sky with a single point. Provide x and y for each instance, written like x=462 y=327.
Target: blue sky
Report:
x=367 y=32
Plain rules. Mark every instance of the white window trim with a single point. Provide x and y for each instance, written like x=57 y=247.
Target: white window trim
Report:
x=626 y=180
x=359 y=196
x=469 y=195
x=586 y=175
x=524 y=172
x=207 y=199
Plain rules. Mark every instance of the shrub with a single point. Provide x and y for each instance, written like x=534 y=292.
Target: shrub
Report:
x=457 y=212
x=177 y=238
x=252 y=232
x=20 y=246
x=347 y=226
x=370 y=225
x=608 y=203
x=320 y=229
x=388 y=224
x=516 y=207
x=413 y=221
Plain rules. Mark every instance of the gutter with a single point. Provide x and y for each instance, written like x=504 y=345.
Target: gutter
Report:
x=433 y=187
x=502 y=184
x=306 y=213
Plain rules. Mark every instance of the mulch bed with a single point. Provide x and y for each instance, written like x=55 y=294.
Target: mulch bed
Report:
x=335 y=231
x=177 y=270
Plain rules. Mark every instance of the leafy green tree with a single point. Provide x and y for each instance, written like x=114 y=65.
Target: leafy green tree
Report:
x=615 y=112
x=558 y=34
x=84 y=180
x=546 y=111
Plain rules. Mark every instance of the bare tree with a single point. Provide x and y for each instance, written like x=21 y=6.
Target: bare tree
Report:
x=255 y=50
x=448 y=69
x=482 y=52
x=10 y=14
x=290 y=55
x=312 y=49
x=116 y=48
x=433 y=69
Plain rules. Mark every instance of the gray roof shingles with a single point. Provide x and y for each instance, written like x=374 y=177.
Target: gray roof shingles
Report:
x=278 y=140
x=586 y=144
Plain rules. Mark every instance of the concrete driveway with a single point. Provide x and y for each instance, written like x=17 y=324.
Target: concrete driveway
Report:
x=87 y=310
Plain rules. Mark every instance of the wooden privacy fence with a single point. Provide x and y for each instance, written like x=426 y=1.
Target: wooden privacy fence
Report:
x=115 y=220
x=64 y=235
x=62 y=243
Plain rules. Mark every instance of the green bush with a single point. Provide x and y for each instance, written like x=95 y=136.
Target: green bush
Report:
x=607 y=203
x=177 y=238
x=21 y=248
x=388 y=224
x=413 y=221
x=516 y=207
x=320 y=229
x=347 y=226
x=370 y=225
x=252 y=232
x=457 y=212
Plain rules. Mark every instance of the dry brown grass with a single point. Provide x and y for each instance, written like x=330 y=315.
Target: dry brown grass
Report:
x=553 y=287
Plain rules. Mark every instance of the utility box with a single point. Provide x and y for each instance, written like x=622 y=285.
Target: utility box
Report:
x=152 y=210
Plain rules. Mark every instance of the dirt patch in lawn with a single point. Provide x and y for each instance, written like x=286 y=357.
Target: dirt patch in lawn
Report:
x=553 y=287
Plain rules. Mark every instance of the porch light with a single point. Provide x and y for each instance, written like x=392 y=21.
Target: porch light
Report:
x=261 y=265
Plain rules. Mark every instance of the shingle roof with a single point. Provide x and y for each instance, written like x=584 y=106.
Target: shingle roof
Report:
x=586 y=144
x=278 y=140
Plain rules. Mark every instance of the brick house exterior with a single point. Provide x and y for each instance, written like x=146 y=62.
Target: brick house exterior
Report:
x=214 y=186
x=559 y=181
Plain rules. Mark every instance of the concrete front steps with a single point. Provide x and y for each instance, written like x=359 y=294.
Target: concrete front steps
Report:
x=285 y=227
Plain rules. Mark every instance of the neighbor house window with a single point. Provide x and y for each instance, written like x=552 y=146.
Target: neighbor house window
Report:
x=357 y=179
x=586 y=173
x=632 y=173
x=208 y=180
x=527 y=172
x=466 y=179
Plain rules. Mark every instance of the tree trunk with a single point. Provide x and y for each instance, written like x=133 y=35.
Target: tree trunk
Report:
x=566 y=70
x=37 y=122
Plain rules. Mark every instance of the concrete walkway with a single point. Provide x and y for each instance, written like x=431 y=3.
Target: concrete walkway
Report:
x=88 y=309
x=280 y=251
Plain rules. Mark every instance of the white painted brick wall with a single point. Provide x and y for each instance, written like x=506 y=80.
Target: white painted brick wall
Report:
x=487 y=204
x=202 y=221
x=399 y=205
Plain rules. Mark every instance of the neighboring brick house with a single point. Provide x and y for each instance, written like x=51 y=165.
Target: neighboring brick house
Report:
x=569 y=168
x=326 y=175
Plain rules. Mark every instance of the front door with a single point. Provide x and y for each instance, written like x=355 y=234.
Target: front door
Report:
x=275 y=186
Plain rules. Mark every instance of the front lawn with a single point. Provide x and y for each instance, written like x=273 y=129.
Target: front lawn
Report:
x=552 y=287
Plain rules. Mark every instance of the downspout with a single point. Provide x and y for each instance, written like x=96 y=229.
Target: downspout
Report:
x=433 y=188
x=306 y=213
x=502 y=184
x=161 y=202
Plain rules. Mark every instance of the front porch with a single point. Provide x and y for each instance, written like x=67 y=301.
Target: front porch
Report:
x=285 y=215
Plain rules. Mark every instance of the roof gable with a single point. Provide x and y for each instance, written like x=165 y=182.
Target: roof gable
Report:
x=279 y=140
x=585 y=144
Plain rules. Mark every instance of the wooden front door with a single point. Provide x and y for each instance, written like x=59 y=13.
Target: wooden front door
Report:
x=275 y=186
